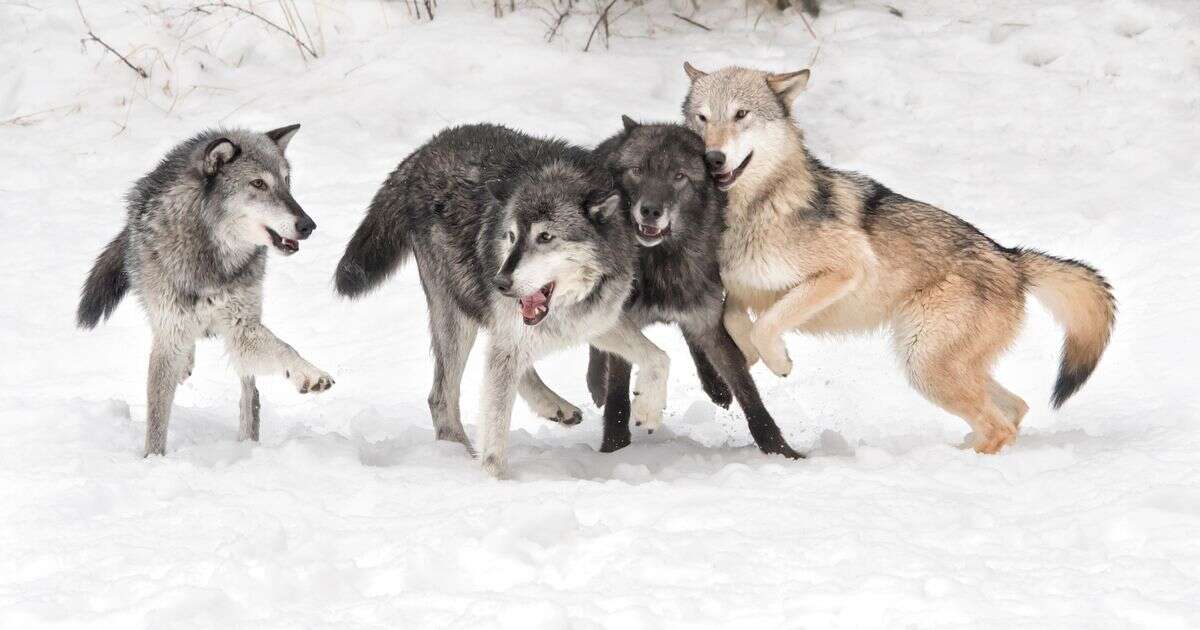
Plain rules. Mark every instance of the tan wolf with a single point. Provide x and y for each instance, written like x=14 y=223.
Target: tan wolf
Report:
x=819 y=250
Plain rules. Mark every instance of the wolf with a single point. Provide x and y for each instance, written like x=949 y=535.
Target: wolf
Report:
x=677 y=215
x=518 y=235
x=194 y=250
x=820 y=250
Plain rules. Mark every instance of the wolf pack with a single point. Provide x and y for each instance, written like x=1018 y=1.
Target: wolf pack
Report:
x=723 y=224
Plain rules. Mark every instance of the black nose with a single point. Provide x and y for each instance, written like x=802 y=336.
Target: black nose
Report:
x=651 y=212
x=503 y=282
x=715 y=160
x=305 y=226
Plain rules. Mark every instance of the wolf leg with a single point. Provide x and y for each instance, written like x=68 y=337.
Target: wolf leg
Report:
x=504 y=365
x=256 y=350
x=616 y=406
x=1012 y=405
x=628 y=342
x=248 y=408
x=737 y=322
x=168 y=361
x=710 y=381
x=727 y=359
x=452 y=335
x=189 y=364
x=545 y=402
x=597 y=375
x=793 y=309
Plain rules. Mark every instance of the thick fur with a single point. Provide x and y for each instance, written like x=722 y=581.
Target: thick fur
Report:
x=820 y=250
x=660 y=172
x=194 y=251
x=492 y=216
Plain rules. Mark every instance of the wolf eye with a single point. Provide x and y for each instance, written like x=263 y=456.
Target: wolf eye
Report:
x=259 y=184
x=702 y=117
x=544 y=237
x=679 y=176
x=512 y=238
x=740 y=114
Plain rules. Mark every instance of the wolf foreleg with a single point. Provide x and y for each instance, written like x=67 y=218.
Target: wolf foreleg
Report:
x=626 y=341
x=504 y=366
x=797 y=306
x=256 y=350
x=545 y=402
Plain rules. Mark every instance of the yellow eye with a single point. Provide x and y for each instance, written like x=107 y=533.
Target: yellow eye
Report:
x=544 y=237
x=259 y=184
x=740 y=114
x=702 y=118
x=679 y=176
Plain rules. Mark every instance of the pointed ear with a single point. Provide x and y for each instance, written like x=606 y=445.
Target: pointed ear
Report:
x=789 y=85
x=630 y=124
x=218 y=153
x=602 y=207
x=283 y=135
x=693 y=72
x=496 y=189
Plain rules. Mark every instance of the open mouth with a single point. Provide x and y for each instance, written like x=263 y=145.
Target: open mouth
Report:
x=725 y=180
x=652 y=234
x=535 y=306
x=286 y=245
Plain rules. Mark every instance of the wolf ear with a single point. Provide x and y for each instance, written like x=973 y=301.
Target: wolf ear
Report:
x=602 y=207
x=218 y=153
x=283 y=135
x=630 y=124
x=693 y=72
x=788 y=85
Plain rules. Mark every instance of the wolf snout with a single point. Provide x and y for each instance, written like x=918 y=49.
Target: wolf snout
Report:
x=651 y=212
x=715 y=160
x=305 y=226
x=503 y=282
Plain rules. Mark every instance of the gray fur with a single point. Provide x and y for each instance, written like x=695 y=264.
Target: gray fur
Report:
x=493 y=216
x=194 y=251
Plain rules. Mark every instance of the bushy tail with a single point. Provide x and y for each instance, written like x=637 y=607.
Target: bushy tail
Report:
x=1082 y=302
x=106 y=284
x=378 y=246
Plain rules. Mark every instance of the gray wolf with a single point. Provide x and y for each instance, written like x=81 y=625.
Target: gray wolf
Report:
x=819 y=250
x=194 y=250
x=678 y=216
x=521 y=236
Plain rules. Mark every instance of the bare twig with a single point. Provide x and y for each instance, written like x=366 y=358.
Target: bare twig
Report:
x=562 y=17
x=603 y=18
x=692 y=22
x=304 y=47
x=91 y=36
x=807 y=25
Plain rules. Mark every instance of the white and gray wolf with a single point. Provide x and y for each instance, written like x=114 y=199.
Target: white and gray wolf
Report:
x=678 y=216
x=521 y=236
x=819 y=250
x=194 y=250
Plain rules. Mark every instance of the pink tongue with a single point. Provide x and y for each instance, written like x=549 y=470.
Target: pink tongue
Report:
x=530 y=303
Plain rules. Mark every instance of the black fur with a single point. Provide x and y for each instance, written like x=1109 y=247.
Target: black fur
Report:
x=678 y=280
x=106 y=284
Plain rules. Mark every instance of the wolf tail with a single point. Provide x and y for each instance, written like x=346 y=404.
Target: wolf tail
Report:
x=378 y=246
x=106 y=284
x=1082 y=302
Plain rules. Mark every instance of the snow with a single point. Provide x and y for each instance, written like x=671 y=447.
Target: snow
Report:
x=1069 y=126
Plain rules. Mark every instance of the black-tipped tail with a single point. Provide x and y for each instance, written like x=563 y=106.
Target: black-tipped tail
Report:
x=105 y=286
x=377 y=248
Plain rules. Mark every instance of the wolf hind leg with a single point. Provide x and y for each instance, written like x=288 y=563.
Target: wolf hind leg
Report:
x=545 y=402
x=168 y=361
x=452 y=336
x=1013 y=406
x=248 y=410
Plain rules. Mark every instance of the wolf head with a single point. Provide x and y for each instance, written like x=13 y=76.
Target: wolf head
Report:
x=660 y=171
x=247 y=177
x=741 y=114
x=551 y=240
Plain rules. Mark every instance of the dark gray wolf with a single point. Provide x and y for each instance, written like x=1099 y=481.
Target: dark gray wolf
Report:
x=820 y=250
x=521 y=236
x=678 y=216
x=194 y=250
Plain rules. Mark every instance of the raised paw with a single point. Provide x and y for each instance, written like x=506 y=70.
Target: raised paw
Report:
x=310 y=379
x=774 y=353
x=568 y=418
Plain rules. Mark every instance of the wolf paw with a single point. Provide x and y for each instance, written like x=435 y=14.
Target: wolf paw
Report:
x=774 y=354
x=310 y=379
x=494 y=466
x=647 y=413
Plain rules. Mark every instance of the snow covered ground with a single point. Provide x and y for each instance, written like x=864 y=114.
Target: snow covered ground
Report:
x=1072 y=126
